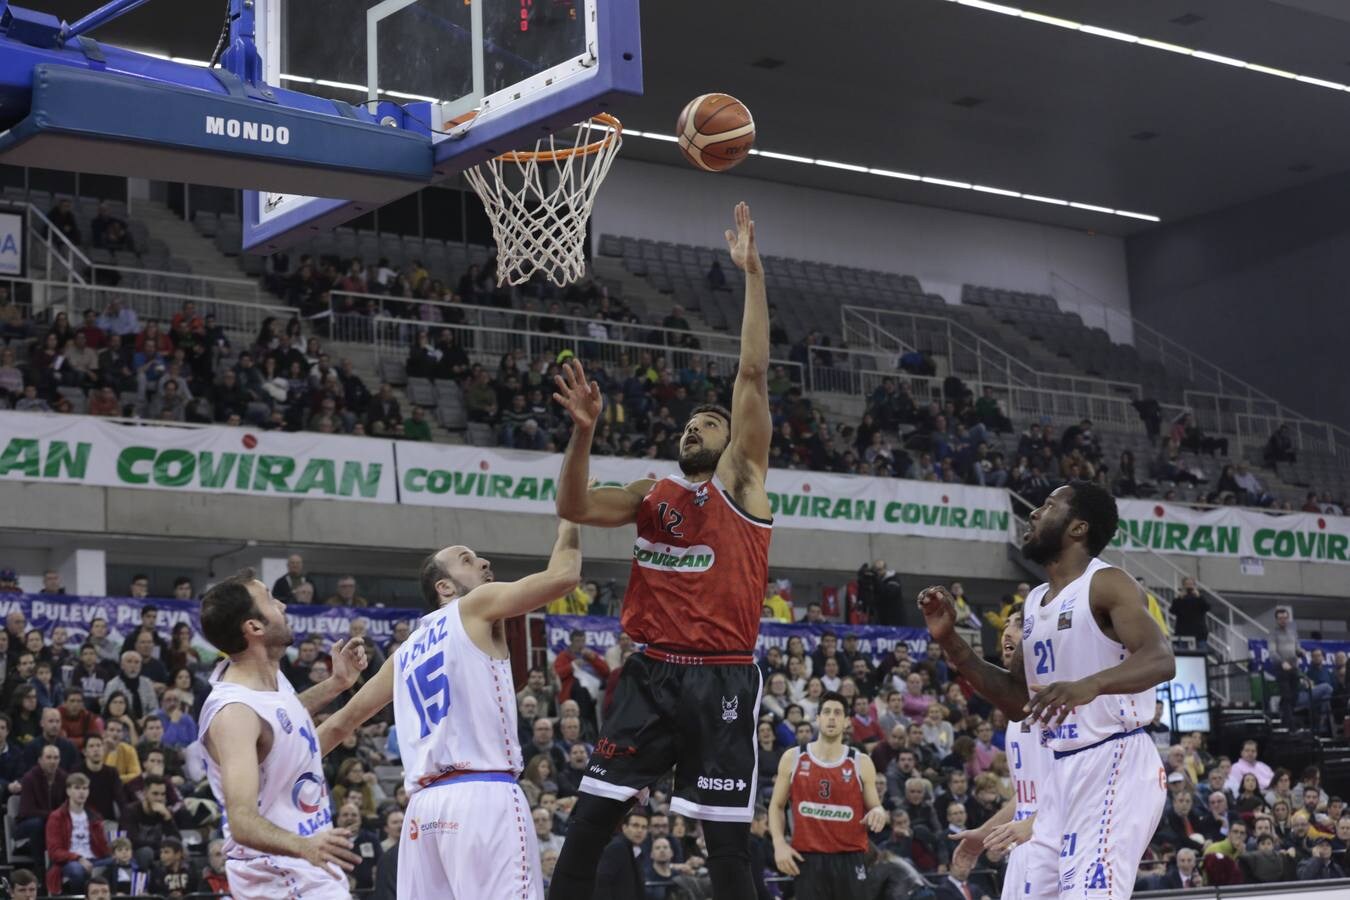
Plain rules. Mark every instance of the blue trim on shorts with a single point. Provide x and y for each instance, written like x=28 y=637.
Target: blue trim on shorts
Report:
x=1060 y=754
x=475 y=776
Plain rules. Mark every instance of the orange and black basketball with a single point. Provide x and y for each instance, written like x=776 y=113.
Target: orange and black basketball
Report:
x=716 y=132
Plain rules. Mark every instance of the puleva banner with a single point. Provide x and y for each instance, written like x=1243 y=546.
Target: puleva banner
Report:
x=87 y=450
x=1228 y=531
x=46 y=612
x=602 y=632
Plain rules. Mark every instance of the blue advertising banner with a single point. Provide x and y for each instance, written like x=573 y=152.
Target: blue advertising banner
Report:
x=602 y=632
x=1261 y=653
x=46 y=612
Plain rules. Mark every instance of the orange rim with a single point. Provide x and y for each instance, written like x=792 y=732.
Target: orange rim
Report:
x=590 y=149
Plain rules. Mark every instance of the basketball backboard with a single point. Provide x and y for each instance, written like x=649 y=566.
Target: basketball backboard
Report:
x=525 y=66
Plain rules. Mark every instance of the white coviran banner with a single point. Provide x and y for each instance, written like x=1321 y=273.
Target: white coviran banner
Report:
x=523 y=481
x=87 y=450
x=1229 y=531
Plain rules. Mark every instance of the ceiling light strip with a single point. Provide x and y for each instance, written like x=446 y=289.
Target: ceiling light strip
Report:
x=1098 y=31
x=907 y=176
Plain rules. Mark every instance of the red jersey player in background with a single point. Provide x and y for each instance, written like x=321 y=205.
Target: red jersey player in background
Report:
x=831 y=789
x=690 y=700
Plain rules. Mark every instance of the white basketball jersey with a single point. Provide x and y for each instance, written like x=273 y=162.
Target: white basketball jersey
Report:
x=454 y=705
x=1029 y=764
x=1062 y=642
x=292 y=791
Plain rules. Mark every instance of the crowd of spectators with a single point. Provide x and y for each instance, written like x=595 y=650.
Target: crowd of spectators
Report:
x=188 y=369
x=103 y=730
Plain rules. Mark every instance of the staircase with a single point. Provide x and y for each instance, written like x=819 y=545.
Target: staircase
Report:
x=198 y=252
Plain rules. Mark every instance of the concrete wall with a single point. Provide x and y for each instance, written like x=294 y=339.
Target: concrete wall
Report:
x=943 y=248
x=300 y=523
x=403 y=532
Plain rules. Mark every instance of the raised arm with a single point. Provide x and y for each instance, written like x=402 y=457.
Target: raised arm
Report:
x=374 y=696
x=1150 y=661
x=502 y=600
x=606 y=507
x=349 y=661
x=232 y=740
x=1005 y=689
x=752 y=428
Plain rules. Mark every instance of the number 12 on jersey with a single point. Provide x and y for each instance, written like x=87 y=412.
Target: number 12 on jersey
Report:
x=429 y=691
x=1045 y=656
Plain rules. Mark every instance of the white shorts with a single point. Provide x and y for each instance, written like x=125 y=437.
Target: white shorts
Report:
x=1015 y=875
x=283 y=878
x=1094 y=821
x=469 y=839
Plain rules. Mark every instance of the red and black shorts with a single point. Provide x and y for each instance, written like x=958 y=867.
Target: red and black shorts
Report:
x=692 y=711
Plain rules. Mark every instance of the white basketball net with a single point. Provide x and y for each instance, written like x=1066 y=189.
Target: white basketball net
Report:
x=540 y=201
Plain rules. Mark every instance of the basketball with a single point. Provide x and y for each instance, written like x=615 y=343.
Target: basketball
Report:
x=715 y=131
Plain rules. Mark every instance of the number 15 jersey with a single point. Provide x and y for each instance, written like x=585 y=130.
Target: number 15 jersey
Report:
x=454 y=705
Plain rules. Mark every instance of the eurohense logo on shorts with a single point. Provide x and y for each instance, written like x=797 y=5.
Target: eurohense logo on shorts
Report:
x=720 y=784
x=418 y=828
x=666 y=558
x=830 y=812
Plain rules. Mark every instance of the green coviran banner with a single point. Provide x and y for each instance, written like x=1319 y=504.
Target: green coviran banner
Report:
x=489 y=478
x=1228 y=531
x=87 y=450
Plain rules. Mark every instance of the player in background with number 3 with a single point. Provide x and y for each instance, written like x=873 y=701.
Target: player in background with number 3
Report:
x=455 y=711
x=1085 y=672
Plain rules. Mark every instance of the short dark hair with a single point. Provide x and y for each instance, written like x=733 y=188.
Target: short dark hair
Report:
x=180 y=580
x=833 y=696
x=150 y=780
x=636 y=813
x=431 y=572
x=97 y=879
x=1096 y=506
x=150 y=607
x=225 y=609
x=22 y=878
x=139 y=576
x=715 y=409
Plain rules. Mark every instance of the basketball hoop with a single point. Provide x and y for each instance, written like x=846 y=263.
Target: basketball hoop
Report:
x=538 y=227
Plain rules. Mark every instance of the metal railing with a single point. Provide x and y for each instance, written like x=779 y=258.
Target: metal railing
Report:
x=1228 y=626
x=239 y=317
x=60 y=259
x=392 y=338
x=1253 y=419
x=1219 y=395
x=968 y=355
x=436 y=314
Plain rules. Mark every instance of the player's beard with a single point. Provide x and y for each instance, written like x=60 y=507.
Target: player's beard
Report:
x=699 y=461
x=1046 y=543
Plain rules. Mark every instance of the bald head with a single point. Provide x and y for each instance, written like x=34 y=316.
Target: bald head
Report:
x=451 y=573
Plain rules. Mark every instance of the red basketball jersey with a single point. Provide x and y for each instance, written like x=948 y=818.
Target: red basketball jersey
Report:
x=699 y=568
x=826 y=800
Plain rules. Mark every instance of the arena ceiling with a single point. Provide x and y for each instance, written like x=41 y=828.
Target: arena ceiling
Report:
x=964 y=93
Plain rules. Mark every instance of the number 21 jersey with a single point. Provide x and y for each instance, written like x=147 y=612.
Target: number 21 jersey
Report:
x=454 y=705
x=1061 y=641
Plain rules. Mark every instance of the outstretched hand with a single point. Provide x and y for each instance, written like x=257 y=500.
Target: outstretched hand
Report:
x=349 y=661
x=939 y=611
x=741 y=242
x=581 y=398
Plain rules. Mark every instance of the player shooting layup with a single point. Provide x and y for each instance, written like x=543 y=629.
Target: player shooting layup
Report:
x=467 y=832
x=700 y=560
x=1086 y=669
x=264 y=755
x=1012 y=825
